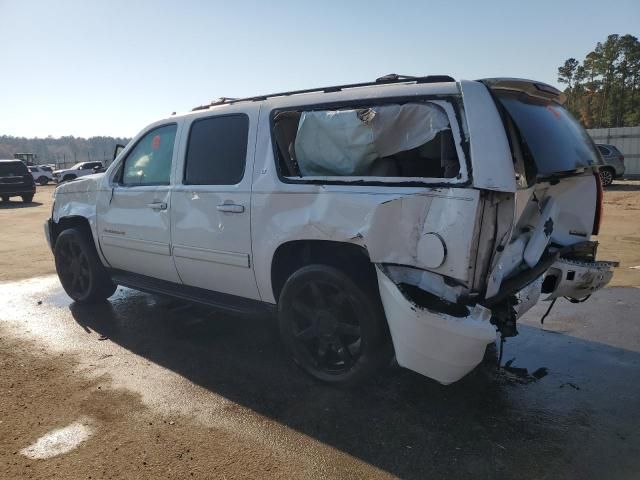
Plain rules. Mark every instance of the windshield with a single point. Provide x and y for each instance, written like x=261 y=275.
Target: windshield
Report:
x=550 y=136
x=13 y=169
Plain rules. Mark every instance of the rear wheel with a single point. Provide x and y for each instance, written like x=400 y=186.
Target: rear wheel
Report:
x=606 y=175
x=334 y=328
x=81 y=274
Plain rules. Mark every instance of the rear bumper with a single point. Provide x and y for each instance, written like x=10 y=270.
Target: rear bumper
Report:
x=16 y=190
x=434 y=344
x=576 y=279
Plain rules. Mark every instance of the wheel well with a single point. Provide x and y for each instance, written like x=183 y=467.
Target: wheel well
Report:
x=291 y=256
x=70 y=222
x=609 y=168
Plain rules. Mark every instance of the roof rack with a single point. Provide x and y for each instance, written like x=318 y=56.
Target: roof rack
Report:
x=384 y=80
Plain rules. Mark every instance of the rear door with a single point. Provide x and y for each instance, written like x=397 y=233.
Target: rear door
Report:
x=211 y=204
x=134 y=220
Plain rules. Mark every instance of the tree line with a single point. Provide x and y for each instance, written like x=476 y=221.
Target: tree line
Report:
x=63 y=151
x=604 y=89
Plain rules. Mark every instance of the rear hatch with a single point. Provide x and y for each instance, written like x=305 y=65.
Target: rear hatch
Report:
x=558 y=201
x=14 y=177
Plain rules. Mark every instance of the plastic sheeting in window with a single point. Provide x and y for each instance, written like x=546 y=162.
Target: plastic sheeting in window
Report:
x=347 y=142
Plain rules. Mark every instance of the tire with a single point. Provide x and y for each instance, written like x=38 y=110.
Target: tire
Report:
x=606 y=175
x=43 y=180
x=79 y=269
x=27 y=198
x=334 y=328
x=5 y=199
x=68 y=178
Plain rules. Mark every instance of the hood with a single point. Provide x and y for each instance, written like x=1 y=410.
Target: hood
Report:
x=87 y=183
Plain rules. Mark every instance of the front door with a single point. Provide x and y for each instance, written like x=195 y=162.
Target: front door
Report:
x=210 y=205
x=134 y=219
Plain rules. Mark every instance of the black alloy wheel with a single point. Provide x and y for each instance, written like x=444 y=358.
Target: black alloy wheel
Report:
x=334 y=328
x=81 y=274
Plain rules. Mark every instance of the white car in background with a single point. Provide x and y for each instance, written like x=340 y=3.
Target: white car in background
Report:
x=78 y=170
x=415 y=216
x=41 y=174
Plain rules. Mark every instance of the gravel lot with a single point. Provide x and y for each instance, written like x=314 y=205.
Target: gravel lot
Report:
x=157 y=388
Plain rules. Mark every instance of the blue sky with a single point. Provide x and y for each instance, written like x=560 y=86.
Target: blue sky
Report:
x=89 y=68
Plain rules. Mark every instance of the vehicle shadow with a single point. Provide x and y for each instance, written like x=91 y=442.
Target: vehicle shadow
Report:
x=490 y=424
x=18 y=204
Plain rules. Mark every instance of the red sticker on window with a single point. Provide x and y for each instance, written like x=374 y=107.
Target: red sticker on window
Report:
x=155 y=143
x=554 y=111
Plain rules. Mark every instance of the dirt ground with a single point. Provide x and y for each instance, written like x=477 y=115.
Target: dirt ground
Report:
x=24 y=252
x=167 y=391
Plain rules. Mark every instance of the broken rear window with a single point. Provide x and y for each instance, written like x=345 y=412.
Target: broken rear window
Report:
x=393 y=140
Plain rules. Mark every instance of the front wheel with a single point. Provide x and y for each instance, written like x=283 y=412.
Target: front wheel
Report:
x=334 y=328
x=27 y=198
x=81 y=273
x=43 y=180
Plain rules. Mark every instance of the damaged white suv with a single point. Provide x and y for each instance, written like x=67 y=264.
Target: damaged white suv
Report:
x=415 y=216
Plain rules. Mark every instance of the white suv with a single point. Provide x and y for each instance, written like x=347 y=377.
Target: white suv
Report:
x=41 y=173
x=415 y=216
x=78 y=170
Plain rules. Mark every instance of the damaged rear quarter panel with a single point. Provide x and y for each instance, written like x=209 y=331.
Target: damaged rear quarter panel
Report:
x=387 y=221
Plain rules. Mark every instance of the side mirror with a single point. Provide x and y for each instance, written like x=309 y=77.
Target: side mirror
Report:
x=117 y=150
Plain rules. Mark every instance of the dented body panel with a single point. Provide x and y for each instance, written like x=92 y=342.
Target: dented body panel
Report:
x=458 y=257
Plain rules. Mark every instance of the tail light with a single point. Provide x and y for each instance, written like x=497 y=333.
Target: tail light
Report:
x=621 y=158
x=597 y=219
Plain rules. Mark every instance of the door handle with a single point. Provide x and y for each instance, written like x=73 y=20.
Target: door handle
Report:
x=230 y=208
x=157 y=205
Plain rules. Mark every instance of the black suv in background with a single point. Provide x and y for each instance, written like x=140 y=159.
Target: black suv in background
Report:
x=16 y=181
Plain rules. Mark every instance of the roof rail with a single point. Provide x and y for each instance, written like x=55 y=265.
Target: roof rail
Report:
x=384 y=80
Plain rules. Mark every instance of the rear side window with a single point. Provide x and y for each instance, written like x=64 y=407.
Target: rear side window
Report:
x=603 y=150
x=393 y=140
x=11 y=169
x=217 y=150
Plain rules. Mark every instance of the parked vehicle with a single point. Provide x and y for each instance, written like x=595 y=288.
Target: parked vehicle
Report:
x=420 y=216
x=613 y=160
x=16 y=181
x=78 y=170
x=41 y=174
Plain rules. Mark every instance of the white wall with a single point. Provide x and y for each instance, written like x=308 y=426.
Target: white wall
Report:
x=627 y=139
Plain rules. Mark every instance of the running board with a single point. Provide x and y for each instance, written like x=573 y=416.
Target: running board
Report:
x=221 y=301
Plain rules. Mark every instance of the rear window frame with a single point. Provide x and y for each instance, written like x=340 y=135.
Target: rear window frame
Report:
x=453 y=101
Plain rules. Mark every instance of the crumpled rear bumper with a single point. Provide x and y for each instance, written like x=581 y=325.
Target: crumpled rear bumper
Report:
x=437 y=345
x=576 y=278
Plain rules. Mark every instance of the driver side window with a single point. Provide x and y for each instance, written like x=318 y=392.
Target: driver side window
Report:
x=149 y=162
